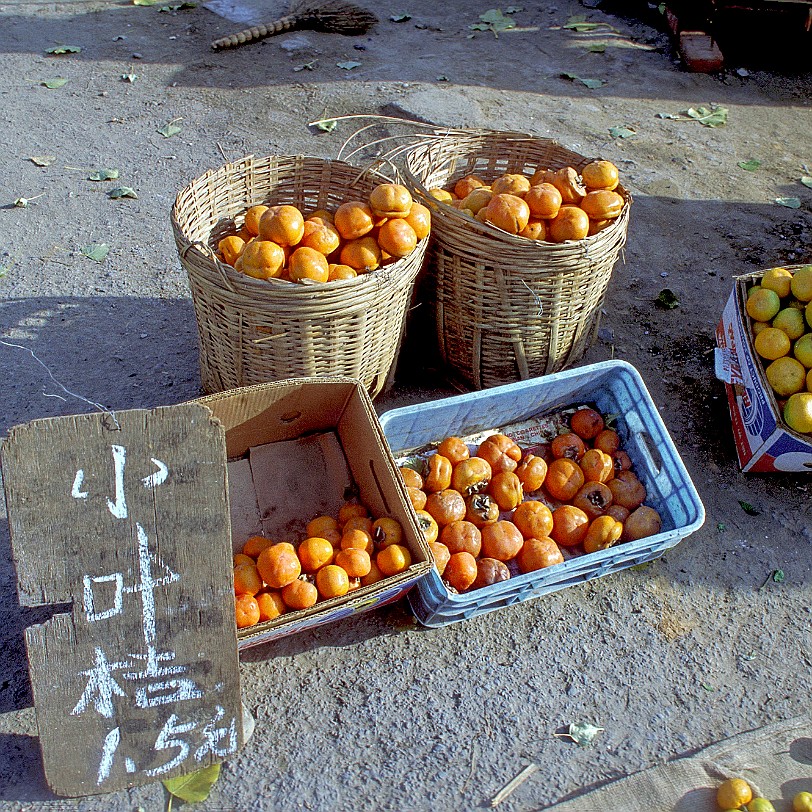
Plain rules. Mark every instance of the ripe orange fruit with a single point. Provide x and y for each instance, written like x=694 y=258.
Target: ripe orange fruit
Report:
x=279 y=565
x=534 y=230
x=322 y=237
x=353 y=219
x=393 y=559
x=602 y=533
x=338 y=271
x=358 y=539
x=374 y=576
x=358 y=523
x=321 y=525
x=390 y=200
x=538 y=553
x=600 y=175
x=564 y=479
x=733 y=794
x=533 y=518
x=446 y=506
x=242 y=558
x=569 y=445
x=419 y=218
x=230 y=248
x=571 y=223
x=501 y=453
x=386 y=531
x=532 y=471
x=441 y=555
x=410 y=477
x=602 y=204
x=597 y=466
x=351 y=509
x=356 y=563
x=270 y=604
x=461 y=571
x=512 y=184
x=314 y=552
x=501 y=540
x=332 y=581
x=261 y=259
x=255 y=545
x=466 y=185
x=506 y=489
x=587 y=423
x=480 y=508
x=462 y=536
x=543 y=200
x=569 y=525
x=508 y=212
x=246 y=579
x=308 y=263
x=438 y=476
x=428 y=526
x=772 y=343
x=417 y=497
x=568 y=182
x=252 y=218
x=284 y=225
x=363 y=254
x=471 y=476
x=300 y=594
x=247 y=611
x=454 y=449
x=397 y=237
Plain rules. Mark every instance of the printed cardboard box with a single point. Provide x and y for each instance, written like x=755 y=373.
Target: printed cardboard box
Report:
x=764 y=442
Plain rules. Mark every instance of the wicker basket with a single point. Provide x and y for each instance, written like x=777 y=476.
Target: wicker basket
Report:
x=507 y=308
x=252 y=331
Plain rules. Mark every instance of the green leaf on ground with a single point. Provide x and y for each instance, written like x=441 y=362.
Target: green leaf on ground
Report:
x=170 y=128
x=778 y=576
x=750 y=165
x=667 y=299
x=103 y=174
x=622 y=132
x=708 y=688
x=749 y=509
x=129 y=77
x=592 y=84
x=400 y=18
x=145 y=2
x=807 y=181
x=326 y=125
x=579 y=23
x=42 y=160
x=712 y=116
x=495 y=21
x=582 y=733
x=306 y=66
x=122 y=191
x=348 y=65
x=55 y=83
x=64 y=49
x=721 y=527
x=597 y=48
x=194 y=787
x=97 y=251
x=789 y=202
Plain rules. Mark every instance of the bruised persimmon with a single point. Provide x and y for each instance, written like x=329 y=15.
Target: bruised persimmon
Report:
x=607 y=440
x=428 y=526
x=321 y=237
x=480 y=509
x=627 y=490
x=386 y=531
x=603 y=532
x=284 y=225
x=593 y=498
x=441 y=555
x=532 y=471
x=454 y=449
x=587 y=423
x=308 y=263
x=597 y=466
x=410 y=477
x=501 y=451
x=568 y=445
x=314 y=552
x=569 y=525
x=446 y=506
x=464 y=185
x=438 y=475
x=617 y=512
x=564 y=479
x=490 y=571
x=506 y=489
x=622 y=461
x=247 y=611
x=471 y=476
x=353 y=219
x=533 y=518
x=247 y=580
x=332 y=581
x=538 y=553
x=230 y=248
x=642 y=522
x=501 y=540
x=460 y=571
x=462 y=535
x=279 y=565
x=300 y=594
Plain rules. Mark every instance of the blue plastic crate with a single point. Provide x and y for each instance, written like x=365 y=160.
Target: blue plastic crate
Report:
x=614 y=387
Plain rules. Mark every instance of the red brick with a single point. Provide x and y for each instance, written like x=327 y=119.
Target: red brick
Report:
x=699 y=52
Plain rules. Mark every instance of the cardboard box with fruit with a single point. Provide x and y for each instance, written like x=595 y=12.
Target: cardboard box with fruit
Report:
x=764 y=357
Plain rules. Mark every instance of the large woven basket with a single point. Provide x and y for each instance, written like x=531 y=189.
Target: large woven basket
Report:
x=507 y=308
x=252 y=331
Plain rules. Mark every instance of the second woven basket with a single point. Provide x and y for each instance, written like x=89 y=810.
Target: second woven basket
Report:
x=507 y=308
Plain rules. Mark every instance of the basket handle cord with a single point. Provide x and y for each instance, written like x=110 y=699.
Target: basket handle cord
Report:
x=206 y=251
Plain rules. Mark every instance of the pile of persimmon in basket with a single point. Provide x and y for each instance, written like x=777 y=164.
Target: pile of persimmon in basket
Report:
x=338 y=555
x=553 y=205
x=496 y=511
x=282 y=242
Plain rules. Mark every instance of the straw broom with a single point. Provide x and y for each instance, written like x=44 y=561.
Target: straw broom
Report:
x=332 y=16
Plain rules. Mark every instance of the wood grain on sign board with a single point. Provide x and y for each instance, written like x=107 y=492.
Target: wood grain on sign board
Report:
x=129 y=523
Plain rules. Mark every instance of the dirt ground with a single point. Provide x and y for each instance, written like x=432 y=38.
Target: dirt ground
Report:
x=377 y=712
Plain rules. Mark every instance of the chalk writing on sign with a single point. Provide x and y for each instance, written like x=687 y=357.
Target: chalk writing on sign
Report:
x=151 y=676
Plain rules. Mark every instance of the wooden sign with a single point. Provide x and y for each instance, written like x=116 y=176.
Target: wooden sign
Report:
x=125 y=517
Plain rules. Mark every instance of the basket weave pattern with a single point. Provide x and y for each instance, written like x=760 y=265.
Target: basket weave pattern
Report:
x=508 y=308
x=252 y=331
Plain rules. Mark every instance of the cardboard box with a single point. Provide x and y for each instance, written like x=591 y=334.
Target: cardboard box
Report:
x=297 y=449
x=764 y=442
